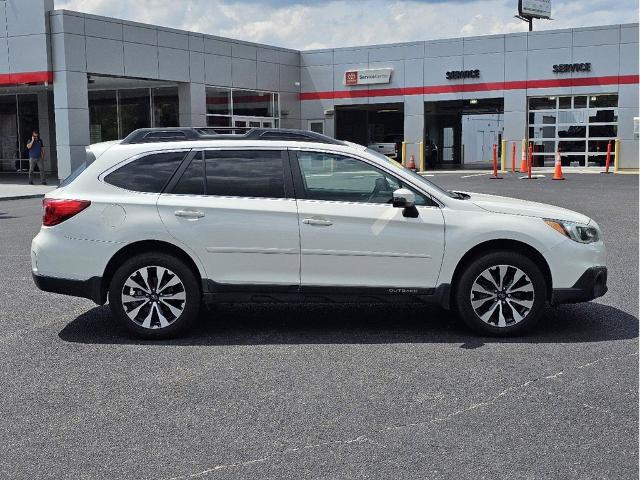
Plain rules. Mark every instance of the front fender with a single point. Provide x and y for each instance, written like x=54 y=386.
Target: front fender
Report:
x=464 y=232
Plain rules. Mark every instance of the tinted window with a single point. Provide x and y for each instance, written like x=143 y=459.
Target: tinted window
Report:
x=192 y=180
x=245 y=173
x=146 y=174
x=338 y=178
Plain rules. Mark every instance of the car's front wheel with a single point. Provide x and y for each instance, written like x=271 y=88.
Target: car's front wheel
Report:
x=155 y=295
x=501 y=294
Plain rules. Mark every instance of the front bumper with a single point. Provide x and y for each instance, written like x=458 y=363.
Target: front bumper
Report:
x=591 y=284
x=91 y=288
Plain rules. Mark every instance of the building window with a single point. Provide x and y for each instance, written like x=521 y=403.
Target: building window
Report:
x=237 y=110
x=165 y=106
x=578 y=127
x=134 y=110
x=114 y=114
x=250 y=103
x=103 y=115
x=18 y=119
x=218 y=101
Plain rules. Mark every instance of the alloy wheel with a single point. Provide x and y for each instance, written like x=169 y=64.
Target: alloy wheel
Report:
x=502 y=295
x=153 y=297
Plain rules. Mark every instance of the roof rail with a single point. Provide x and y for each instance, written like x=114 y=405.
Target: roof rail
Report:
x=183 y=134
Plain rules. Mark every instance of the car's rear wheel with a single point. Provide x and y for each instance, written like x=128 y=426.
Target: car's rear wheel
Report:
x=501 y=294
x=155 y=295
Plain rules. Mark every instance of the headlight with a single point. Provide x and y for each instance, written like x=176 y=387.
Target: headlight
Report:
x=578 y=232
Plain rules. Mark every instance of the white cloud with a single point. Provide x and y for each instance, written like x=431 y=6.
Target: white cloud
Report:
x=322 y=24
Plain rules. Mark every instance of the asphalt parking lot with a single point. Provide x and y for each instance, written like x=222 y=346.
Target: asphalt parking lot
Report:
x=326 y=392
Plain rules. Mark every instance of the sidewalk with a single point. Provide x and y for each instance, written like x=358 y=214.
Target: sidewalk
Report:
x=15 y=186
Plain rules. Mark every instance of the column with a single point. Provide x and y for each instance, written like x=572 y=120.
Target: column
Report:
x=71 y=103
x=413 y=126
x=193 y=105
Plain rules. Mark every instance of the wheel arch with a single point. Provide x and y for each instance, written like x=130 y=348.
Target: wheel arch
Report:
x=143 y=246
x=501 y=245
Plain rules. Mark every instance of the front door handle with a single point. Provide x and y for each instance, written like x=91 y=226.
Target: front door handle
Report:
x=189 y=214
x=319 y=222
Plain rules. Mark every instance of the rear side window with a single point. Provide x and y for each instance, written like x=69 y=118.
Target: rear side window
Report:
x=192 y=180
x=245 y=173
x=147 y=174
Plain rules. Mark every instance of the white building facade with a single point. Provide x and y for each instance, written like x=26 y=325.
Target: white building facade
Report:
x=81 y=79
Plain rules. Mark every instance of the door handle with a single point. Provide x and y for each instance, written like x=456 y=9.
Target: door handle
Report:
x=190 y=214
x=319 y=222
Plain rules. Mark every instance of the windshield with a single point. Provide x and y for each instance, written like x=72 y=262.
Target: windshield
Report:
x=419 y=178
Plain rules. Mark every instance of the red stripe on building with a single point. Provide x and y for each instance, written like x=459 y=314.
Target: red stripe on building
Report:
x=12 y=79
x=474 y=87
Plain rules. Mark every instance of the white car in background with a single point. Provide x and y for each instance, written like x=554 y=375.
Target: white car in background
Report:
x=168 y=219
x=391 y=146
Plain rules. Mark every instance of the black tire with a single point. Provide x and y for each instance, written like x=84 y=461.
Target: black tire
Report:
x=167 y=286
x=516 y=319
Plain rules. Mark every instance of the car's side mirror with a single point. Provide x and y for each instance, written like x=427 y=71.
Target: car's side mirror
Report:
x=406 y=199
x=403 y=198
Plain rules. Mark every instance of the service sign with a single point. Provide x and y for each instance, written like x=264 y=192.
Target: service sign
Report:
x=367 y=77
x=535 y=8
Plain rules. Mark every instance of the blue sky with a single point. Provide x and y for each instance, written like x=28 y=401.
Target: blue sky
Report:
x=322 y=24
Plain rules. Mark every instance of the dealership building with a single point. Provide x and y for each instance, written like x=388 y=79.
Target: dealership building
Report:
x=81 y=79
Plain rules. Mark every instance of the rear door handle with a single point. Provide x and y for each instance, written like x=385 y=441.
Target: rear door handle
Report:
x=190 y=214
x=319 y=222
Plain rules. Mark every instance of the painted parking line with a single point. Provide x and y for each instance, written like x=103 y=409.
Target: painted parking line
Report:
x=475 y=175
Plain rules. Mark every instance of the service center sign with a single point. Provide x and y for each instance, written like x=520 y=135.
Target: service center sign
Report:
x=367 y=77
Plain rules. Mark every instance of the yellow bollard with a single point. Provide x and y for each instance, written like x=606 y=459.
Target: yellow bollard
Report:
x=404 y=152
x=616 y=156
x=503 y=156
x=422 y=165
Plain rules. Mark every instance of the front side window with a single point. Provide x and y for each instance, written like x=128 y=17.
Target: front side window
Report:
x=147 y=174
x=332 y=177
x=244 y=173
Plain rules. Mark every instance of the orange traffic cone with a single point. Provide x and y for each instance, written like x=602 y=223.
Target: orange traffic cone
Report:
x=557 y=173
x=412 y=163
x=523 y=163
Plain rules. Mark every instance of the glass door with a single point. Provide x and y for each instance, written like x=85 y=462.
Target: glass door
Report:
x=447 y=145
x=246 y=123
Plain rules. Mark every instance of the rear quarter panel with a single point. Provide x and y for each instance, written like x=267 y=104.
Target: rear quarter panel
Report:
x=81 y=247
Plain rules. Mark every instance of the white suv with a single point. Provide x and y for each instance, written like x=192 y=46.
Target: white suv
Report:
x=166 y=220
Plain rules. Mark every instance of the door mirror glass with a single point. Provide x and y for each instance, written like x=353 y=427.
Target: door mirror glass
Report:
x=403 y=198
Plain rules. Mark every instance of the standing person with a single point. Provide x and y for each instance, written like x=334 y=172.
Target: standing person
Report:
x=36 y=157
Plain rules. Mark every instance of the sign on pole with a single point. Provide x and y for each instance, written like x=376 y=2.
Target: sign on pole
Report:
x=534 y=8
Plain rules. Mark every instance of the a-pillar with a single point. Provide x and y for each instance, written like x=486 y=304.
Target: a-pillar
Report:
x=193 y=105
x=71 y=106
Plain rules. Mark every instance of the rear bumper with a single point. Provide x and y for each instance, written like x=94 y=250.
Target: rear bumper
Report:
x=591 y=284
x=91 y=288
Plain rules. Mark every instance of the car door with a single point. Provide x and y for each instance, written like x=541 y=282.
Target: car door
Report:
x=350 y=233
x=235 y=209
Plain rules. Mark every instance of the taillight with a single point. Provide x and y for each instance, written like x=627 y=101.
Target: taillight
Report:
x=55 y=211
